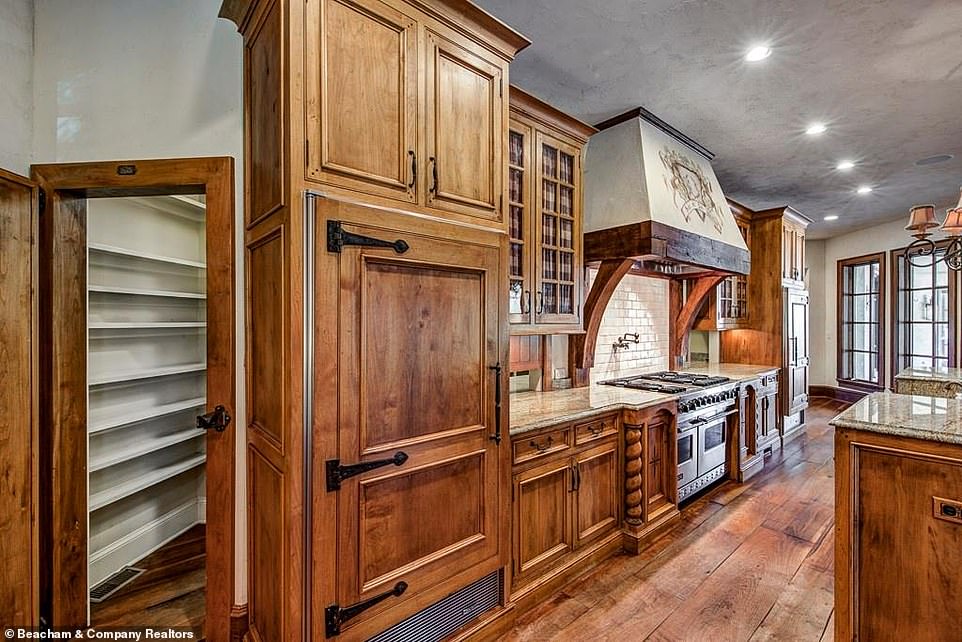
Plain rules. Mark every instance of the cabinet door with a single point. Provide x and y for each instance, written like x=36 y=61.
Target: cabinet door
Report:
x=558 y=229
x=597 y=502
x=465 y=136
x=418 y=335
x=542 y=517
x=797 y=359
x=361 y=90
x=799 y=268
x=661 y=476
x=521 y=243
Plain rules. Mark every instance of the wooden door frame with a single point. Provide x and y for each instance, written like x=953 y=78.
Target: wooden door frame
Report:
x=63 y=390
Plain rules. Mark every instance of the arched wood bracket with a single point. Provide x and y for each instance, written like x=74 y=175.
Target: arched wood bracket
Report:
x=683 y=311
x=581 y=347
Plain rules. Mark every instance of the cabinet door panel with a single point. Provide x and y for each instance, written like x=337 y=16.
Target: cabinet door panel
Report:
x=597 y=499
x=661 y=475
x=362 y=89
x=465 y=140
x=418 y=333
x=542 y=517
x=521 y=244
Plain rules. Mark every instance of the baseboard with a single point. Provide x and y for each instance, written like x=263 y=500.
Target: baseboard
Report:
x=846 y=395
x=239 y=622
x=142 y=541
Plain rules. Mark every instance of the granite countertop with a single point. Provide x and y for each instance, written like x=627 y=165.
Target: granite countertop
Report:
x=931 y=374
x=534 y=410
x=887 y=413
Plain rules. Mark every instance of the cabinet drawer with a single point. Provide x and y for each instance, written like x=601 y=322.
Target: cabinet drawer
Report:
x=596 y=429
x=527 y=448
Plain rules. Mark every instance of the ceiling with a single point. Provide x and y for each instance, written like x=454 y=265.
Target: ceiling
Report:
x=885 y=76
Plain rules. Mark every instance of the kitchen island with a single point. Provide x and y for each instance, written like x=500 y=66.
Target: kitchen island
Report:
x=898 y=537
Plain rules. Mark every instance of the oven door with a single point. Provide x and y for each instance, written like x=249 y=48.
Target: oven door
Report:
x=712 y=437
x=687 y=456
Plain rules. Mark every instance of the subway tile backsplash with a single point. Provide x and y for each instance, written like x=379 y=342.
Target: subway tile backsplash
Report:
x=639 y=305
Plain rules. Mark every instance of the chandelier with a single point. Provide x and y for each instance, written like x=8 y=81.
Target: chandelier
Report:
x=921 y=220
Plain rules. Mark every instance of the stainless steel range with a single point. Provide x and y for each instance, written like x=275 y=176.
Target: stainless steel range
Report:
x=705 y=404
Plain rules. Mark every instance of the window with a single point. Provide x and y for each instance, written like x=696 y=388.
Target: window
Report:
x=924 y=328
x=861 y=287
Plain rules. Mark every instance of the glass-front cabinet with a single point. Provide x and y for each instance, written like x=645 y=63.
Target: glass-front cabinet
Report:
x=544 y=209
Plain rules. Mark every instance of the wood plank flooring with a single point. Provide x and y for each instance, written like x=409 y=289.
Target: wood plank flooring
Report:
x=747 y=561
x=171 y=593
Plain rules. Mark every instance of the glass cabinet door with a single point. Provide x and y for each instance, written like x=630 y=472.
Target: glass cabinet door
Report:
x=519 y=217
x=559 y=235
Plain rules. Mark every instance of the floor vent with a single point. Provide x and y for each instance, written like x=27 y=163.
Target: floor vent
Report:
x=443 y=618
x=114 y=583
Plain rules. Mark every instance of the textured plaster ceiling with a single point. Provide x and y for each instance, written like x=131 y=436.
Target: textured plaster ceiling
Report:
x=885 y=76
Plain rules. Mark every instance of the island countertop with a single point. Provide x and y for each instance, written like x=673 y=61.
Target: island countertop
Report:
x=534 y=410
x=917 y=417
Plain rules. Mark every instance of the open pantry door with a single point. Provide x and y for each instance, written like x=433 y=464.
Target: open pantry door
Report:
x=19 y=591
x=138 y=372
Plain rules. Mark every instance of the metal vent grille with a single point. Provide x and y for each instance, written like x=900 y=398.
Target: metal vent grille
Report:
x=443 y=618
x=114 y=583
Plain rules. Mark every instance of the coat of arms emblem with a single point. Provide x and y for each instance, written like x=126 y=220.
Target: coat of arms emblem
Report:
x=690 y=188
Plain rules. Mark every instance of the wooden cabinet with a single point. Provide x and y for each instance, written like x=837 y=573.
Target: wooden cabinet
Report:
x=386 y=120
x=402 y=104
x=544 y=201
x=565 y=499
x=898 y=544
x=759 y=423
x=651 y=467
x=793 y=251
x=778 y=311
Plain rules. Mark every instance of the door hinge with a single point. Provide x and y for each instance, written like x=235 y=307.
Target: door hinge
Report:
x=218 y=419
x=338 y=237
x=335 y=616
x=336 y=473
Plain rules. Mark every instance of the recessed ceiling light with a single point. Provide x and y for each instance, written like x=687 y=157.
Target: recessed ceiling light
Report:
x=934 y=160
x=833 y=217
x=845 y=165
x=815 y=129
x=864 y=189
x=758 y=52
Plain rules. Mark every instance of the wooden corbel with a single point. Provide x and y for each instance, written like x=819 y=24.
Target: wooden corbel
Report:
x=581 y=347
x=684 y=311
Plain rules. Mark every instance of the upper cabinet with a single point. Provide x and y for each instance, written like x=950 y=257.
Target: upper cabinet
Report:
x=727 y=307
x=403 y=106
x=544 y=198
x=793 y=249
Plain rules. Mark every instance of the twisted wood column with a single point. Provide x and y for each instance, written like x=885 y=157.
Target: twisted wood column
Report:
x=634 y=498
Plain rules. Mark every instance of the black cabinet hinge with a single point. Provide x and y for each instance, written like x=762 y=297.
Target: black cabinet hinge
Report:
x=336 y=473
x=338 y=237
x=335 y=616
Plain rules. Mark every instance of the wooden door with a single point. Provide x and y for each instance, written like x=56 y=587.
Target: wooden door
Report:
x=521 y=230
x=19 y=591
x=557 y=221
x=541 y=515
x=661 y=476
x=419 y=337
x=906 y=557
x=597 y=497
x=465 y=108
x=361 y=102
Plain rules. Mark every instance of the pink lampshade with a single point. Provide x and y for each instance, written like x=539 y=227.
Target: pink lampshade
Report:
x=959 y=206
x=921 y=218
x=952 y=225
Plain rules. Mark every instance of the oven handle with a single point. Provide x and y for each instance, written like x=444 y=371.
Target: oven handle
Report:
x=700 y=421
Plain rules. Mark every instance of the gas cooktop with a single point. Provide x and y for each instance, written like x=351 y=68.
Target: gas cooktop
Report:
x=667 y=382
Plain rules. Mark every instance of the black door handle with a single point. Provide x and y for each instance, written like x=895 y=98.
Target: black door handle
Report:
x=218 y=419
x=496 y=437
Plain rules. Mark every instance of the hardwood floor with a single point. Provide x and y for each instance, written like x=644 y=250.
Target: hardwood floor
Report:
x=747 y=562
x=170 y=593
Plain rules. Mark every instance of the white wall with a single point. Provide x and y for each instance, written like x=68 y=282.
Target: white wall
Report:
x=139 y=79
x=880 y=238
x=16 y=80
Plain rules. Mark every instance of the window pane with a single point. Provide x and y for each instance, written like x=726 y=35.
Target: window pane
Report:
x=941 y=310
x=921 y=338
x=942 y=340
x=941 y=272
x=863 y=367
x=865 y=307
x=921 y=309
x=863 y=337
x=921 y=277
x=861 y=279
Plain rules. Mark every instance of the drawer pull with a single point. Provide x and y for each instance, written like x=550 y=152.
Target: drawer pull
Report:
x=544 y=446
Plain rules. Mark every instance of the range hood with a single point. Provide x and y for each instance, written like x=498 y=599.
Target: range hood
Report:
x=650 y=194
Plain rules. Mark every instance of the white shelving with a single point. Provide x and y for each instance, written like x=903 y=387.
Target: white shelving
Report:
x=146 y=375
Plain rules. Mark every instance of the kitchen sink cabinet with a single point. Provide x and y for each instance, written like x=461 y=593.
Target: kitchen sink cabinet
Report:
x=566 y=498
x=759 y=425
x=544 y=198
